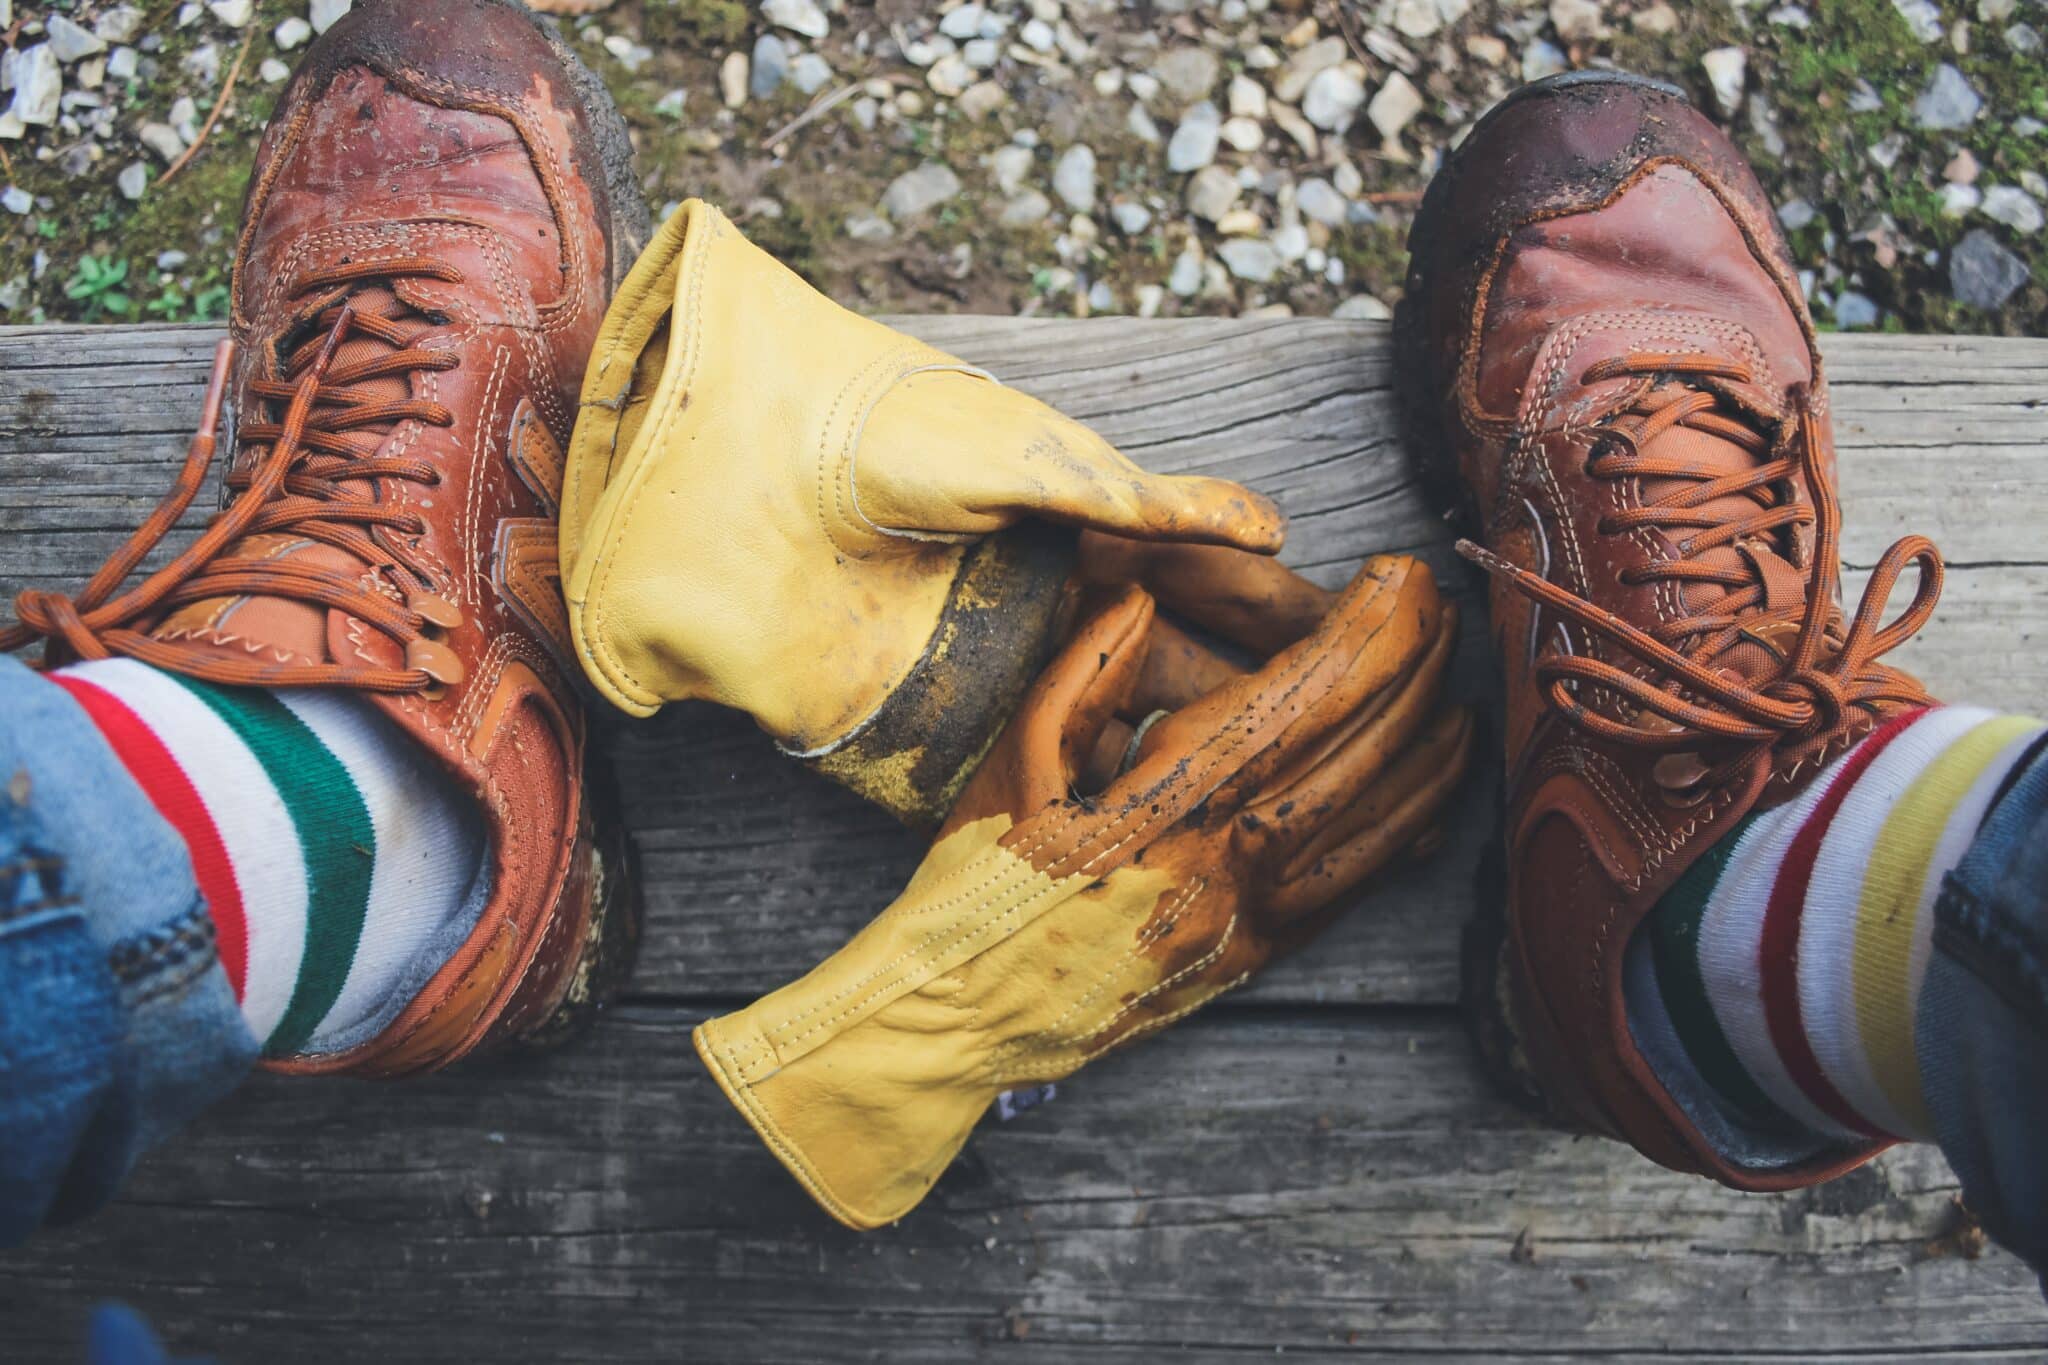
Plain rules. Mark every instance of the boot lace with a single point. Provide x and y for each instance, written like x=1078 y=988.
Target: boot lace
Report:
x=318 y=434
x=1827 y=683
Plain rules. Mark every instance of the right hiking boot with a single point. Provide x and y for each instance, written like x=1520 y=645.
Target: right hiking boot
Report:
x=1610 y=372
x=439 y=211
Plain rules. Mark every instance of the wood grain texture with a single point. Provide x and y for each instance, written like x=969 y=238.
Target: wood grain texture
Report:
x=1331 y=1184
x=756 y=871
x=1312 y=1167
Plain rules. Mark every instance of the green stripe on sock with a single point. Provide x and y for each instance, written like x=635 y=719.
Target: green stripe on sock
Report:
x=1675 y=950
x=335 y=834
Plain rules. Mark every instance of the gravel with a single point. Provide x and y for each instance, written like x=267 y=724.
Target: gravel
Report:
x=1982 y=273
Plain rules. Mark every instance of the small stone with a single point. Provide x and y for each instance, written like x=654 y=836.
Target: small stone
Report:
x=1185 y=279
x=733 y=79
x=869 y=227
x=1577 y=21
x=963 y=23
x=1394 y=107
x=627 y=53
x=915 y=192
x=1887 y=150
x=1727 y=71
x=292 y=33
x=770 y=66
x=1247 y=98
x=1241 y=223
x=1657 y=20
x=1321 y=202
x=170 y=261
x=1995 y=11
x=1854 y=310
x=69 y=42
x=202 y=63
x=118 y=25
x=1143 y=84
x=162 y=139
x=981 y=54
x=810 y=73
x=1960 y=201
x=17 y=200
x=1290 y=242
x=1101 y=298
x=1037 y=35
x=133 y=180
x=189 y=13
x=234 y=13
x=1863 y=99
x=1542 y=58
x=325 y=14
x=92 y=74
x=949 y=76
x=671 y=104
x=1363 y=308
x=1244 y=134
x=1150 y=297
x=982 y=99
x=1142 y=127
x=2014 y=207
x=38 y=86
x=1188 y=73
x=909 y=103
x=274 y=72
x=1306 y=64
x=1009 y=165
x=1486 y=48
x=1982 y=273
x=1026 y=210
x=1211 y=192
x=1417 y=18
x=1948 y=103
x=1334 y=96
x=1131 y=218
x=123 y=63
x=1921 y=16
x=1073 y=177
x=1795 y=214
x=1962 y=168
x=866 y=110
x=1289 y=120
x=798 y=16
x=1194 y=142
x=1250 y=259
x=2034 y=183
x=1348 y=180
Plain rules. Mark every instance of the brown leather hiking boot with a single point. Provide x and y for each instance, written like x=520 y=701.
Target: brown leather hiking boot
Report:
x=439 y=211
x=1609 y=365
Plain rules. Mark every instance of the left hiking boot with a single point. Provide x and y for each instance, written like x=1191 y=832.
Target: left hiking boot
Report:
x=439 y=210
x=1609 y=367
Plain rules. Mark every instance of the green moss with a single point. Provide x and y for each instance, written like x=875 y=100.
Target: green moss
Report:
x=683 y=23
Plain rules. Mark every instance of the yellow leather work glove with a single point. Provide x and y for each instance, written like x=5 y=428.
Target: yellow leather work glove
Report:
x=775 y=504
x=1046 y=927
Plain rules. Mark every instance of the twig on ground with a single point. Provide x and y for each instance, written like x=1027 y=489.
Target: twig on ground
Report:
x=817 y=107
x=227 y=89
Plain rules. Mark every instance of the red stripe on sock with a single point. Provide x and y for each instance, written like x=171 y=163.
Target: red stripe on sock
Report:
x=172 y=793
x=1778 y=951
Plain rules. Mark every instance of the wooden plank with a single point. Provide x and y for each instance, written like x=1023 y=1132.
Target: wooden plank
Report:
x=756 y=871
x=1340 y=1184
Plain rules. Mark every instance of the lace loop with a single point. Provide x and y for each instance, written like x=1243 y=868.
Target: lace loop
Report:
x=1808 y=699
x=323 y=437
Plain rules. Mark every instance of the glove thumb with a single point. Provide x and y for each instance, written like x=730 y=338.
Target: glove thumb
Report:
x=949 y=452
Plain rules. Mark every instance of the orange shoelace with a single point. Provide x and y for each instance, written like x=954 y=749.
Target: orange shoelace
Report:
x=295 y=487
x=1824 y=673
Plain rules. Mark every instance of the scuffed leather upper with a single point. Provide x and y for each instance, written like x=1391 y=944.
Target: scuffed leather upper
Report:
x=1591 y=221
x=448 y=129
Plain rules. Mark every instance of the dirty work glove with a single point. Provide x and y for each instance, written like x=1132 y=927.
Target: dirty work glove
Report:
x=1046 y=927
x=778 y=505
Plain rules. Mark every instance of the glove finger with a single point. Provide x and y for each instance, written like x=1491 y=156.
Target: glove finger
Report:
x=1178 y=670
x=1042 y=751
x=1250 y=600
x=1381 y=628
x=1327 y=777
x=1400 y=810
x=948 y=453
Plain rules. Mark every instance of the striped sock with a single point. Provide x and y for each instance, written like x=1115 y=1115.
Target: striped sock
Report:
x=1790 y=956
x=340 y=865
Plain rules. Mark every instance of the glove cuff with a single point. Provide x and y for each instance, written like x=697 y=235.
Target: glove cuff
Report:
x=914 y=753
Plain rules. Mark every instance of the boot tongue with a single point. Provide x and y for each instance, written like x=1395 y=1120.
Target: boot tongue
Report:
x=1761 y=558
x=284 y=629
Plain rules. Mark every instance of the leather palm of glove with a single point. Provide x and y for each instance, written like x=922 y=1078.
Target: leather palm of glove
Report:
x=778 y=505
x=1046 y=927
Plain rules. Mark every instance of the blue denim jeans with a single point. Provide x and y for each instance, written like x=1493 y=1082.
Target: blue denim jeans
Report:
x=117 y=1022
